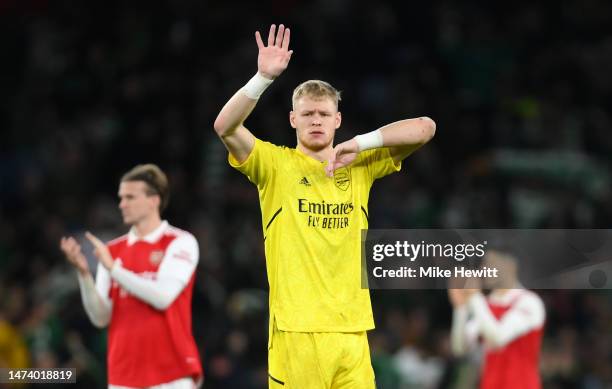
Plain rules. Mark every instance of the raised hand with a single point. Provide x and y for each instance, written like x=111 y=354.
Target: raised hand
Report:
x=100 y=250
x=74 y=255
x=457 y=297
x=342 y=155
x=274 y=58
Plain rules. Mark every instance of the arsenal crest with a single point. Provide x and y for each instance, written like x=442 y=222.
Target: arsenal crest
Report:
x=342 y=178
x=156 y=257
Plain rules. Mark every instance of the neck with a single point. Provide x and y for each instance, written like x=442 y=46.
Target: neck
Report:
x=147 y=225
x=320 y=155
x=501 y=292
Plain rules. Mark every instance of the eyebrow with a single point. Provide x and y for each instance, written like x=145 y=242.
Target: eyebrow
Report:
x=316 y=110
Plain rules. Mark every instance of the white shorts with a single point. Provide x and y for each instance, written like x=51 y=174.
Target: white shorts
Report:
x=181 y=383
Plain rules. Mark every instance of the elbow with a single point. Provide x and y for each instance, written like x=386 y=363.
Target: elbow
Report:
x=224 y=126
x=162 y=302
x=220 y=126
x=457 y=351
x=496 y=341
x=499 y=343
x=162 y=305
x=100 y=325
x=100 y=322
x=429 y=129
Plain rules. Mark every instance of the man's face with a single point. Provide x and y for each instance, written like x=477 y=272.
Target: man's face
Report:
x=315 y=121
x=506 y=270
x=134 y=203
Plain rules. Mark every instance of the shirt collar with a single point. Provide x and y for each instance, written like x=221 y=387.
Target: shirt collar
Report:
x=509 y=296
x=151 y=237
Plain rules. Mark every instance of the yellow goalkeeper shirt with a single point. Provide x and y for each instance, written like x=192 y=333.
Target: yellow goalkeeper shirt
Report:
x=312 y=234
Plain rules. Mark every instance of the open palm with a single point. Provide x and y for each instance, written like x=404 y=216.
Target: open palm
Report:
x=274 y=58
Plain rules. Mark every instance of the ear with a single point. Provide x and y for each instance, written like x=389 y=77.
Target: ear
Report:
x=292 y=119
x=156 y=200
x=338 y=119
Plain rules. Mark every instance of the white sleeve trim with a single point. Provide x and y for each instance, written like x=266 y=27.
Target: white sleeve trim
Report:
x=525 y=315
x=97 y=307
x=172 y=277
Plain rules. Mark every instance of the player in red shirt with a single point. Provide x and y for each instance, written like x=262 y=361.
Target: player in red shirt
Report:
x=510 y=322
x=143 y=290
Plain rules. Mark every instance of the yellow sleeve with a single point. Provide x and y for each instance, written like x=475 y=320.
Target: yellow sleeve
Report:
x=380 y=163
x=260 y=165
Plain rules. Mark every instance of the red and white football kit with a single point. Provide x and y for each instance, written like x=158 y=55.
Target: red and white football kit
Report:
x=146 y=301
x=511 y=326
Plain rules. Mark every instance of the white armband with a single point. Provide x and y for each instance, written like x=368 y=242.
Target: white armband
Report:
x=371 y=140
x=256 y=86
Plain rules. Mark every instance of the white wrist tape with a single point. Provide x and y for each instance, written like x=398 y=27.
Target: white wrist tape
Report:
x=371 y=140
x=256 y=86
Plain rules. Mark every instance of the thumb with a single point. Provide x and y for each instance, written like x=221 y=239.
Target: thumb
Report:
x=93 y=239
x=329 y=169
x=331 y=164
x=90 y=236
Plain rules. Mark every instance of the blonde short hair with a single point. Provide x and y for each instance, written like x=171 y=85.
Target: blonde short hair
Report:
x=316 y=89
x=154 y=178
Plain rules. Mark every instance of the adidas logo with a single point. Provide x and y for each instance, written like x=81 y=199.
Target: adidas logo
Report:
x=304 y=181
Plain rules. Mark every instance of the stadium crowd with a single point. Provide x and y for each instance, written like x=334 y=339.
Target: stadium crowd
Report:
x=89 y=89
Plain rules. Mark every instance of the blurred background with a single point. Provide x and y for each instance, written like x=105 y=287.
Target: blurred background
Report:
x=521 y=93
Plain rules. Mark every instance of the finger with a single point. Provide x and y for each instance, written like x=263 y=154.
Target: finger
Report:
x=340 y=149
x=65 y=242
x=260 y=43
x=90 y=237
x=330 y=168
x=331 y=161
x=93 y=239
x=67 y=246
x=271 y=35
x=279 y=36
x=287 y=57
x=286 y=38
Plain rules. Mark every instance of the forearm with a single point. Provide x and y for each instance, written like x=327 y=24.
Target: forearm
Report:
x=97 y=310
x=408 y=132
x=458 y=336
x=240 y=106
x=402 y=137
x=501 y=332
x=159 y=293
x=233 y=114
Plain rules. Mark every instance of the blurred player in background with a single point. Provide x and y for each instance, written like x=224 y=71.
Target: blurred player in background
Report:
x=143 y=289
x=314 y=204
x=509 y=321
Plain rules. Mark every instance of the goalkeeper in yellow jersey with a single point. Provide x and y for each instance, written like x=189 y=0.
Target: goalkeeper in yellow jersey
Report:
x=314 y=204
